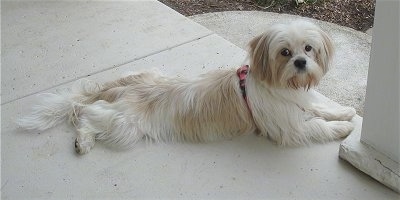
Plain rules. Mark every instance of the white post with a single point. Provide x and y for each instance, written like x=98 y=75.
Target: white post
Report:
x=377 y=151
x=381 y=121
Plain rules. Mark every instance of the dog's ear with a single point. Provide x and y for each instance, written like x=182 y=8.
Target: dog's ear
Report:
x=326 y=52
x=258 y=52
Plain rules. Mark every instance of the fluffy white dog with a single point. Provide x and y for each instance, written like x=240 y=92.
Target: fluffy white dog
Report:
x=271 y=96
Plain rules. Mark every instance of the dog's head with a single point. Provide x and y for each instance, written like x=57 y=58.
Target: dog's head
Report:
x=294 y=55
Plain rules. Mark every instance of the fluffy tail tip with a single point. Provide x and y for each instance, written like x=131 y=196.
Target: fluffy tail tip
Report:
x=52 y=110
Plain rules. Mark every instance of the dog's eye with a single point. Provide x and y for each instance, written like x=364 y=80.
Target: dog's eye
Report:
x=285 y=52
x=308 y=48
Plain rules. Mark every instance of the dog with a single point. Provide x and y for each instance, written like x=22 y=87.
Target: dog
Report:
x=270 y=97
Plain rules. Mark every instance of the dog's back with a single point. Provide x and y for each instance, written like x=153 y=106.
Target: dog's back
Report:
x=147 y=104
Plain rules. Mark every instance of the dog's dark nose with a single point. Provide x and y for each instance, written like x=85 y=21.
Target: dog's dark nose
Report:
x=300 y=63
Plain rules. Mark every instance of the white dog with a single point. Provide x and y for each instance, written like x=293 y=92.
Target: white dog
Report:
x=271 y=97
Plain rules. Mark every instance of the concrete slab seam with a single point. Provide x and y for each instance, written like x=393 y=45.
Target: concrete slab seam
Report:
x=109 y=68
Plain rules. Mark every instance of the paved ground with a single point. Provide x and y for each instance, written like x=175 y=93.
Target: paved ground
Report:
x=345 y=83
x=46 y=46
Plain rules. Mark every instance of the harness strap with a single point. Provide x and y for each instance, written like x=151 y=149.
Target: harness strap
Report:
x=242 y=74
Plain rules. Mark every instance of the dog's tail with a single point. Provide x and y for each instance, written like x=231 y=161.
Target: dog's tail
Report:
x=55 y=108
x=52 y=110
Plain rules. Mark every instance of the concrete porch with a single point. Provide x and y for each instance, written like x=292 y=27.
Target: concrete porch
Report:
x=46 y=46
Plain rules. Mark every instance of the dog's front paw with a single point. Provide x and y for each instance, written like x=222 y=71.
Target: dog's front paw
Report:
x=340 y=129
x=346 y=113
x=333 y=114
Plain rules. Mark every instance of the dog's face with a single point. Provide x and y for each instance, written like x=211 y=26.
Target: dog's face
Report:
x=295 y=56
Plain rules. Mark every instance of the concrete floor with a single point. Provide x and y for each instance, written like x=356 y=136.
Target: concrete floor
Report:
x=46 y=46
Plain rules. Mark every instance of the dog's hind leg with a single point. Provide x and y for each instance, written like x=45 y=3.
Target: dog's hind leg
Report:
x=85 y=140
x=111 y=91
x=107 y=122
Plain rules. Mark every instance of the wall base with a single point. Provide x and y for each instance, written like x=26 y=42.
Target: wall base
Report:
x=370 y=161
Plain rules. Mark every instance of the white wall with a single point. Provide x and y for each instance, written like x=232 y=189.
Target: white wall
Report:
x=381 y=117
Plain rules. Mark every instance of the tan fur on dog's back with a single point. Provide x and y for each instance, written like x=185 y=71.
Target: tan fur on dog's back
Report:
x=218 y=109
x=202 y=110
x=172 y=109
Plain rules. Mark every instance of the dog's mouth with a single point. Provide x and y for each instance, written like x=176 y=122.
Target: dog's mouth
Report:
x=305 y=81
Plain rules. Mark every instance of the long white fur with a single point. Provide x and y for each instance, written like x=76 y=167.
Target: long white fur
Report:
x=211 y=107
x=52 y=110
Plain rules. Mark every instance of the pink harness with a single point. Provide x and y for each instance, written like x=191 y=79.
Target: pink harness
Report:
x=242 y=74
